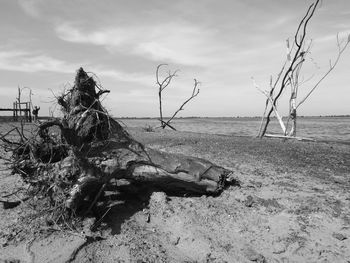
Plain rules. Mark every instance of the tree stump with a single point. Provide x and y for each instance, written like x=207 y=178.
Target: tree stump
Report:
x=97 y=149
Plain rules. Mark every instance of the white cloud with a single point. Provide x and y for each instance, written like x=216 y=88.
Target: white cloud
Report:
x=139 y=78
x=19 y=60
x=107 y=37
x=343 y=35
x=24 y=61
x=30 y=7
x=174 y=42
x=181 y=43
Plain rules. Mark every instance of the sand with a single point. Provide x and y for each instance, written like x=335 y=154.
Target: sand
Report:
x=292 y=204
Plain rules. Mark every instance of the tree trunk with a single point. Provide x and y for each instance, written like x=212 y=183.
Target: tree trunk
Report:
x=293 y=114
x=100 y=150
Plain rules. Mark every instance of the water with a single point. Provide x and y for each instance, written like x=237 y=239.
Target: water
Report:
x=319 y=128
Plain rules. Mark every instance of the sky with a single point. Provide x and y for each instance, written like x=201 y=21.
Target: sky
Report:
x=221 y=43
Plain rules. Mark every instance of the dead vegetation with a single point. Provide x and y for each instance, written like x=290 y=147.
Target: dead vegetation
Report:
x=290 y=77
x=164 y=83
x=70 y=163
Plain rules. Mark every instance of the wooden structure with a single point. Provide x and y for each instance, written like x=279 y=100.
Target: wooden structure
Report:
x=20 y=107
x=20 y=111
x=17 y=108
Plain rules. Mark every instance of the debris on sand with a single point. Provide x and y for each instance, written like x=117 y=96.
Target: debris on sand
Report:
x=71 y=170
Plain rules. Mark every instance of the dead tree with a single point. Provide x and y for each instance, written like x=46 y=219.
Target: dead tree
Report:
x=290 y=77
x=92 y=150
x=162 y=84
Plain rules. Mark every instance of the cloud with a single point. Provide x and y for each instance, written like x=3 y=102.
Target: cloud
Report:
x=30 y=7
x=23 y=61
x=139 y=78
x=343 y=36
x=174 y=42
x=106 y=37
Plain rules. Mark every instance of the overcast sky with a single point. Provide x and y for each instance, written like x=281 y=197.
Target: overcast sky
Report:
x=222 y=43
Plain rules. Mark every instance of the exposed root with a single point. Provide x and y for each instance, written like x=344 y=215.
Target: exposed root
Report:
x=30 y=253
x=69 y=162
x=88 y=241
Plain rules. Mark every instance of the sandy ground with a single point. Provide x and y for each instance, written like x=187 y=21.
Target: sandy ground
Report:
x=292 y=205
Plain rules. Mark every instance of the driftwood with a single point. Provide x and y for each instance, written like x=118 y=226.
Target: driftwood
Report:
x=289 y=137
x=93 y=149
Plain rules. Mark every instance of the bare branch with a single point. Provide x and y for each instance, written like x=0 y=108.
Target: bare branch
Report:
x=300 y=25
x=167 y=124
x=270 y=99
x=166 y=81
x=331 y=67
x=293 y=62
x=195 y=92
x=303 y=24
x=162 y=84
x=100 y=92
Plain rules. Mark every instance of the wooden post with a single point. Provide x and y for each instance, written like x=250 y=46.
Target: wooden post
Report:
x=27 y=111
x=14 y=111
x=30 y=112
x=19 y=101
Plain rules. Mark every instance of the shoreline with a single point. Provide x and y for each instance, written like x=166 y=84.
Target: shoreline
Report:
x=308 y=130
x=310 y=139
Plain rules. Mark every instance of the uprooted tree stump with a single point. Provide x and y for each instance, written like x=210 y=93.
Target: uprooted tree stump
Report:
x=91 y=149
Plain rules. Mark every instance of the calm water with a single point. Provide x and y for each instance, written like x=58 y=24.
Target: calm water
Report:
x=319 y=128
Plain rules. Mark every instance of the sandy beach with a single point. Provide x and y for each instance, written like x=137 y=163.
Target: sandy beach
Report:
x=175 y=131
x=291 y=203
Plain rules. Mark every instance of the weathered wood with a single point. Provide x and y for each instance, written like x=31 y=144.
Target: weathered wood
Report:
x=167 y=124
x=9 y=109
x=128 y=159
x=100 y=150
x=289 y=137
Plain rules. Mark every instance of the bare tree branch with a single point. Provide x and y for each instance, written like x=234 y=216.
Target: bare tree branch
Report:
x=272 y=89
x=162 y=84
x=195 y=92
x=331 y=67
x=296 y=57
x=270 y=99
x=295 y=61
